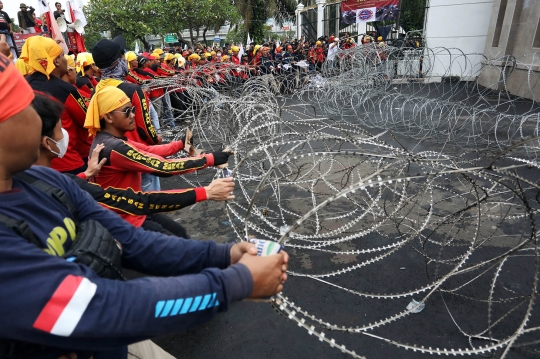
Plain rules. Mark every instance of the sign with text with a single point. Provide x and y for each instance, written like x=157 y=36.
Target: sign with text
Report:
x=355 y=11
x=20 y=39
x=170 y=39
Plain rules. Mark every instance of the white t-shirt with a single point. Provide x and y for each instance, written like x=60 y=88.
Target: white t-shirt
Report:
x=332 y=51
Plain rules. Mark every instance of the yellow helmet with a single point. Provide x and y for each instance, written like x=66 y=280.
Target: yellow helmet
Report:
x=318 y=43
x=235 y=49
x=256 y=48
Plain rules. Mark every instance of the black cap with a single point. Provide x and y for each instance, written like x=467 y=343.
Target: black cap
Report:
x=141 y=60
x=120 y=41
x=105 y=52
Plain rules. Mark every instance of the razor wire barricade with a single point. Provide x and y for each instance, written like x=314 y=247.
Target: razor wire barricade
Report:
x=373 y=163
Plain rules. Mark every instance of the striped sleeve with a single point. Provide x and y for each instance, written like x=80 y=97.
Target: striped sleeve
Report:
x=126 y=157
x=142 y=203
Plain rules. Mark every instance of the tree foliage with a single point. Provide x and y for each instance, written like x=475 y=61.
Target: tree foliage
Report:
x=196 y=15
x=412 y=14
x=255 y=13
x=137 y=18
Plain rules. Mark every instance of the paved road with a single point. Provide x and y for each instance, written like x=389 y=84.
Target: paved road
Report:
x=255 y=330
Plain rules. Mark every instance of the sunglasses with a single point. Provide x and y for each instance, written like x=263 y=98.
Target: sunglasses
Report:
x=128 y=111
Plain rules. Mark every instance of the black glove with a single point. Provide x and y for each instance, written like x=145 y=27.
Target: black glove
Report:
x=220 y=157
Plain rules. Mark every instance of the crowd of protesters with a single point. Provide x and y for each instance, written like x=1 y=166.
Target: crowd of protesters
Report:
x=77 y=144
x=81 y=156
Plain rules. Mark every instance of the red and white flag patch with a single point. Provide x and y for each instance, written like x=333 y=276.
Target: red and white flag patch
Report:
x=66 y=307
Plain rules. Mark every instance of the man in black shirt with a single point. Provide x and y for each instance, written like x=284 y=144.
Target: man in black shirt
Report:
x=6 y=30
x=26 y=20
x=59 y=13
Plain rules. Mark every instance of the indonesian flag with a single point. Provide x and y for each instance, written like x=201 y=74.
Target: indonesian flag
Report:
x=66 y=307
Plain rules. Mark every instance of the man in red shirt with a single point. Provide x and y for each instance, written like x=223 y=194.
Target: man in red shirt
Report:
x=47 y=60
x=107 y=55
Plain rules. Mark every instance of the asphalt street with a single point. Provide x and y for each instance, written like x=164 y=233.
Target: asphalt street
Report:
x=255 y=330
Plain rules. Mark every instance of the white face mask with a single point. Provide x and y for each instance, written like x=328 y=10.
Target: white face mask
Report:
x=62 y=144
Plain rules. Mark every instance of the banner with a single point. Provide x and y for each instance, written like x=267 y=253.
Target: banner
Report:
x=20 y=39
x=356 y=11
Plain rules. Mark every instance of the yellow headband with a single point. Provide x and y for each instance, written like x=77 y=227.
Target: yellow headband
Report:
x=70 y=61
x=84 y=59
x=39 y=53
x=104 y=101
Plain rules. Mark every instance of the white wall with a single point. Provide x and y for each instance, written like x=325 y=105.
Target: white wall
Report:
x=457 y=24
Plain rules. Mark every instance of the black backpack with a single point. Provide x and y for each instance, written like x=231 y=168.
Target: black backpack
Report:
x=93 y=246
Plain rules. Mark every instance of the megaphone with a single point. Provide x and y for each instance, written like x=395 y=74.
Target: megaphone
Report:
x=62 y=25
x=78 y=26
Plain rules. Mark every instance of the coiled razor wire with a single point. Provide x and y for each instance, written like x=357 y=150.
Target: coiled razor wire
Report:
x=370 y=164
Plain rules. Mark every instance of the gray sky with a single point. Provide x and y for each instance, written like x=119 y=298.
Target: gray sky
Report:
x=12 y=6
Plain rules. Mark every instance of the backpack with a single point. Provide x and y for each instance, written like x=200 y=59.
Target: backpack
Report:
x=93 y=246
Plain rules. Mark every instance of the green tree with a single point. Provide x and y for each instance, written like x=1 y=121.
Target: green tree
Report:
x=14 y=26
x=196 y=15
x=91 y=37
x=133 y=19
x=412 y=14
x=255 y=13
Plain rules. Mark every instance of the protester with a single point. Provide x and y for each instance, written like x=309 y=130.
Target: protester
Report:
x=86 y=71
x=71 y=310
x=61 y=14
x=332 y=52
x=47 y=60
x=110 y=118
x=107 y=55
x=6 y=29
x=119 y=200
x=26 y=20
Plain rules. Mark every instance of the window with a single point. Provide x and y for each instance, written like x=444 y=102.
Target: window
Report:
x=536 y=42
x=498 y=26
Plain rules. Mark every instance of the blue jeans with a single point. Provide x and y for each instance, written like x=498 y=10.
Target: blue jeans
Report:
x=154 y=116
x=167 y=110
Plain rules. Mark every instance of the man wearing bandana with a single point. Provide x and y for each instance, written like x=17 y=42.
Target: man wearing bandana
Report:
x=86 y=69
x=108 y=57
x=46 y=58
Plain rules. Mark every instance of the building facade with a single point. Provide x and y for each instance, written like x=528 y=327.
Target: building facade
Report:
x=514 y=40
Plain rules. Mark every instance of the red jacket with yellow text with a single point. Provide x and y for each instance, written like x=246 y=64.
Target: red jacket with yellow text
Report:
x=127 y=160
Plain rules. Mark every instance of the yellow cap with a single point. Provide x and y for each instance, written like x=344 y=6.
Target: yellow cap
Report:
x=169 y=57
x=235 y=49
